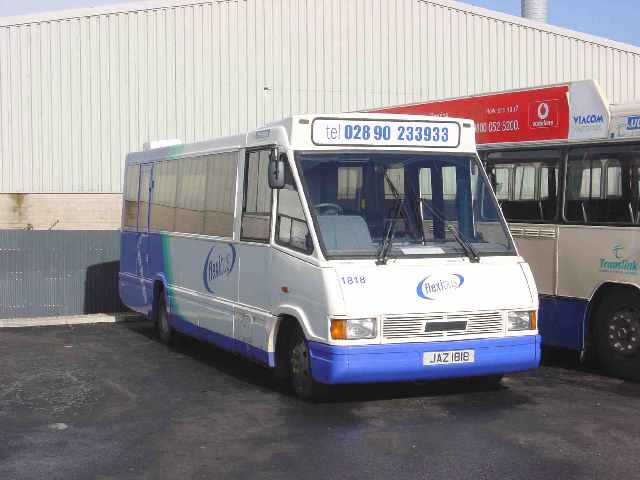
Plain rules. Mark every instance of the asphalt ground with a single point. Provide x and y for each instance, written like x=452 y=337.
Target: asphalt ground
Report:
x=110 y=401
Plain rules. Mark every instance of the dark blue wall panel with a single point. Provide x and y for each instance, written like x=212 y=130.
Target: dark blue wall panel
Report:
x=45 y=273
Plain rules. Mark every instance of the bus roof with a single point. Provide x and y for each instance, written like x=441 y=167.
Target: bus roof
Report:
x=569 y=112
x=355 y=131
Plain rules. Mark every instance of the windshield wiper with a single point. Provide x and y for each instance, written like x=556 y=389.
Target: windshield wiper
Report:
x=387 y=241
x=464 y=243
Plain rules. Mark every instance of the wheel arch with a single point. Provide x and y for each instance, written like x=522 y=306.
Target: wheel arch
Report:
x=291 y=311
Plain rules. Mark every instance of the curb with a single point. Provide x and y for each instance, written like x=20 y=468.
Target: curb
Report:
x=69 y=320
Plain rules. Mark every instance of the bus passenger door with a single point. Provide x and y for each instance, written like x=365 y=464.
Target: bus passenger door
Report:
x=142 y=247
x=254 y=252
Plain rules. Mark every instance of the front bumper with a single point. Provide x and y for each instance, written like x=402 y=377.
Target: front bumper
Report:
x=403 y=362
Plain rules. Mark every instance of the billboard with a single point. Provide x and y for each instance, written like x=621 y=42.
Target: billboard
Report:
x=573 y=111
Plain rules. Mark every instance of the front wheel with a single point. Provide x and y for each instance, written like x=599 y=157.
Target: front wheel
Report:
x=300 y=375
x=618 y=333
x=165 y=332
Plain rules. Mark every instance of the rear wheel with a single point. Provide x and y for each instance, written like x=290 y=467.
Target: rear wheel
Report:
x=618 y=333
x=165 y=332
x=300 y=375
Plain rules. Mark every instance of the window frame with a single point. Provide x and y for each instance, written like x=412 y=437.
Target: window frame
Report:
x=150 y=166
x=211 y=160
x=207 y=158
x=202 y=157
x=245 y=181
x=594 y=146
x=608 y=164
x=276 y=236
x=358 y=186
x=560 y=163
x=322 y=249
x=156 y=167
x=123 y=227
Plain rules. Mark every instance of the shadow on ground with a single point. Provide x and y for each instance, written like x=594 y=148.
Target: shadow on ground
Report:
x=262 y=377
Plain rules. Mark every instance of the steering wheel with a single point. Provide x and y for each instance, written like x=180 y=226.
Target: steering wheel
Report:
x=329 y=209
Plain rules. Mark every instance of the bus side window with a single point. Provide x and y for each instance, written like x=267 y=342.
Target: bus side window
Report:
x=291 y=226
x=349 y=183
x=548 y=194
x=524 y=205
x=145 y=192
x=220 y=194
x=600 y=185
x=396 y=177
x=256 y=202
x=501 y=185
x=131 y=183
x=394 y=180
x=614 y=179
x=526 y=183
x=190 y=197
x=163 y=200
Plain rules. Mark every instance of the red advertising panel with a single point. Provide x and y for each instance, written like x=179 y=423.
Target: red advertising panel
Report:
x=520 y=116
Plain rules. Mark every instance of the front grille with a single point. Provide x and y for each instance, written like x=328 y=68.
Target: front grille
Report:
x=402 y=327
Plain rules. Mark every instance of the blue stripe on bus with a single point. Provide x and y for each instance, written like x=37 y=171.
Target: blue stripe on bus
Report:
x=227 y=343
x=404 y=361
x=138 y=295
x=561 y=321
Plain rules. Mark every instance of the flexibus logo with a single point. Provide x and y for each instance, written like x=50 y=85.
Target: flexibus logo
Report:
x=432 y=287
x=619 y=264
x=218 y=264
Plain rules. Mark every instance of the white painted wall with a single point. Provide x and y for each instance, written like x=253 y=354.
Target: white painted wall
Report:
x=79 y=89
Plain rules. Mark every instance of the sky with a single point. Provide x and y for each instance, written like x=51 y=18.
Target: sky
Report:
x=615 y=19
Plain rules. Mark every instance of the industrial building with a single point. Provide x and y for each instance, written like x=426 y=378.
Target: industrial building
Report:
x=79 y=89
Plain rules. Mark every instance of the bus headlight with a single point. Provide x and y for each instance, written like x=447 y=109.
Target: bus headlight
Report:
x=353 y=328
x=524 y=320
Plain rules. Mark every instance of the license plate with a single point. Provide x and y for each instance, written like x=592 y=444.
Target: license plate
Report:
x=446 y=358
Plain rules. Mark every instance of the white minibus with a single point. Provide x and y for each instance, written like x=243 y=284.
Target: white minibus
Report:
x=335 y=249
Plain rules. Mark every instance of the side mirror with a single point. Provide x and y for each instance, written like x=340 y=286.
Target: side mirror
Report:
x=276 y=170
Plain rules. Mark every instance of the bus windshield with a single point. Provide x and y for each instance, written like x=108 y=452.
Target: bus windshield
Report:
x=408 y=204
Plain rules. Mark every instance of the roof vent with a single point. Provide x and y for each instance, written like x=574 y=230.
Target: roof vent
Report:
x=160 y=144
x=537 y=10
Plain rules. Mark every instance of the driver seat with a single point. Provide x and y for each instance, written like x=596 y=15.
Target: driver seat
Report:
x=345 y=232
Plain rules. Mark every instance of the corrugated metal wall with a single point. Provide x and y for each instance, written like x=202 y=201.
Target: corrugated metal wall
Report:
x=46 y=273
x=77 y=93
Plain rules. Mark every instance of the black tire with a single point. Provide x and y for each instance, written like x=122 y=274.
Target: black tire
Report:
x=165 y=332
x=617 y=331
x=300 y=376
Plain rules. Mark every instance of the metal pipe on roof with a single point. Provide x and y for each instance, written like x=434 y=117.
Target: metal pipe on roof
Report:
x=537 y=10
